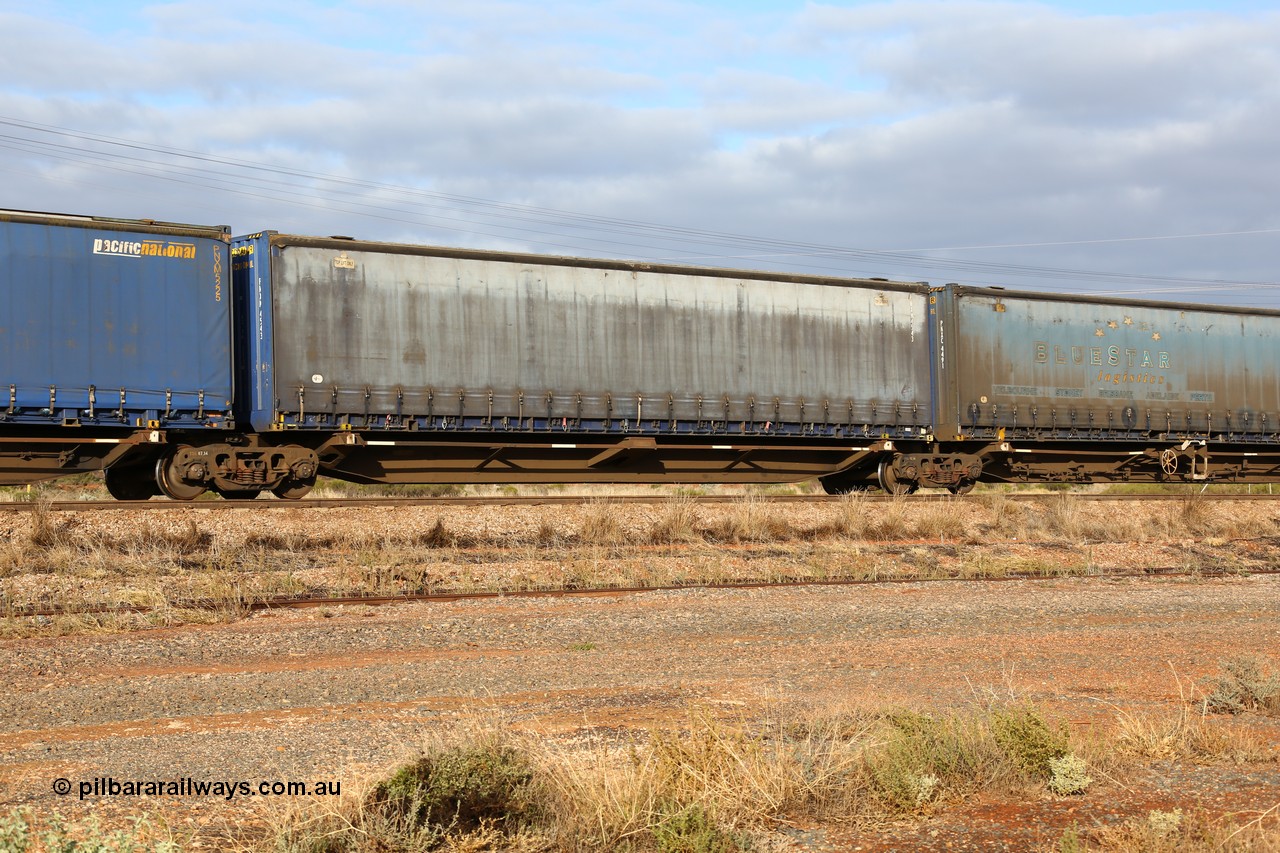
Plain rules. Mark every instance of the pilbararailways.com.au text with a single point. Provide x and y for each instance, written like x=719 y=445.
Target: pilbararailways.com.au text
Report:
x=228 y=789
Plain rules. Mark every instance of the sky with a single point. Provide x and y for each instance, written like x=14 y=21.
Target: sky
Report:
x=1126 y=149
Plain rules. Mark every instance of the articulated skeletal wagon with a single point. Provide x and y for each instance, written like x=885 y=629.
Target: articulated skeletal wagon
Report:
x=179 y=359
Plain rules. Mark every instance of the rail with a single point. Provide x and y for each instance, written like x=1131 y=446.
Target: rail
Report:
x=578 y=500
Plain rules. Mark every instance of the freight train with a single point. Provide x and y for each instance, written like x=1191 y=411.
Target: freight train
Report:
x=178 y=359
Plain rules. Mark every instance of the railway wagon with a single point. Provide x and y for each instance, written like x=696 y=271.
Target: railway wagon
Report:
x=399 y=363
x=178 y=364
x=1087 y=389
x=113 y=334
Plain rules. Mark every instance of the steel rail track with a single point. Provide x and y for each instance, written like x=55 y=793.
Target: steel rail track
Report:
x=321 y=600
x=563 y=500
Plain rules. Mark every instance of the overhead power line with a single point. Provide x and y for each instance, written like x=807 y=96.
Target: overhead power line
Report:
x=559 y=230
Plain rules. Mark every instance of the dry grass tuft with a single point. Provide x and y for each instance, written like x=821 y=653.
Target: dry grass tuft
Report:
x=1188 y=734
x=436 y=536
x=287 y=540
x=548 y=535
x=49 y=532
x=856 y=517
x=148 y=538
x=1007 y=515
x=601 y=525
x=859 y=518
x=677 y=524
x=1197 y=516
x=1174 y=831
x=941 y=522
x=1064 y=516
x=1185 y=734
x=750 y=520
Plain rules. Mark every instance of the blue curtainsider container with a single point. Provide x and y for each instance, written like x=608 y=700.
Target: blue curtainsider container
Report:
x=110 y=322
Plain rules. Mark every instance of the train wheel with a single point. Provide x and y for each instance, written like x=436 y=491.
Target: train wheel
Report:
x=890 y=483
x=292 y=490
x=964 y=487
x=171 y=478
x=129 y=484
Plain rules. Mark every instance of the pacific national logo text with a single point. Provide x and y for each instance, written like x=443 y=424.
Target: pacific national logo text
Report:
x=144 y=248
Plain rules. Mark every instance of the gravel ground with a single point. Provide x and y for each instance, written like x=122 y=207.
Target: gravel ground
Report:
x=339 y=693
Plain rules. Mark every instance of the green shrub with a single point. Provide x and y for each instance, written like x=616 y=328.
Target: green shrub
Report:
x=15 y=834
x=18 y=834
x=691 y=830
x=1028 y=740
x=924 y=756
x=461 y=789
x=1069 y=842
x=1069 y=775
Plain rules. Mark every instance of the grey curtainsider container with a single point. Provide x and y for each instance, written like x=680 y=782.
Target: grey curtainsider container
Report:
x=1066 y=365
x=399 y=336
x=110 y=322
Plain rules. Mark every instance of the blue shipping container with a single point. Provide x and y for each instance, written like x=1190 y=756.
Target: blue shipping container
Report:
x=113 y=322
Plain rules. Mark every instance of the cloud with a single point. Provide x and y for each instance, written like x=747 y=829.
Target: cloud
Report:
x=884 y=125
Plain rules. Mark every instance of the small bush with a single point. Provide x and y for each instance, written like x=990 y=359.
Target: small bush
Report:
x=1243 y=686
x=691 y=830
x=1069 y=842
x=15 y=833
x=1068 y=775
x=19 y=833
x=924 y=757
x=461 y=788
x=1164 y=824
x=1029 y=741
